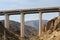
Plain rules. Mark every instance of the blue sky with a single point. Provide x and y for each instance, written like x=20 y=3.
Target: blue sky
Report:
x=25 y=4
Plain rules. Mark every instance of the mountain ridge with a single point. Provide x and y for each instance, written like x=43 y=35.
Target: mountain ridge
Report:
x=35 y=23
x=29 y=31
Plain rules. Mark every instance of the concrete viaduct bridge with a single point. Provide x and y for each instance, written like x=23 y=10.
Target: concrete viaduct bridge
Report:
x=22 y=12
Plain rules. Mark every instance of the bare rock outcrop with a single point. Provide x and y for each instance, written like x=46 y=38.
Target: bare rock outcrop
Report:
x=51 y=31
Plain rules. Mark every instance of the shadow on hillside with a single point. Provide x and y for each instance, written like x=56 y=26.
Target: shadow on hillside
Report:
x=11 y=34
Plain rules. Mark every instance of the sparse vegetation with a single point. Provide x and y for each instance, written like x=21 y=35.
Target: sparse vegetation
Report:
x=52 y=31
x=14 y=33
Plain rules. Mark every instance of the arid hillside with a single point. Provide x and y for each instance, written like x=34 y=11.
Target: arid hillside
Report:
x=14 y=33
x=51 y=30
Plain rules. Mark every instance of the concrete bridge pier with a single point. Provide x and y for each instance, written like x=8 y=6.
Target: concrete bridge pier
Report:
x=22 y=25
x=59 y=13
x=6 y=23
x=40 y=23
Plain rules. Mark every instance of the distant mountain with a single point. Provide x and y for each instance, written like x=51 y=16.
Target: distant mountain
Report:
x=35 y=23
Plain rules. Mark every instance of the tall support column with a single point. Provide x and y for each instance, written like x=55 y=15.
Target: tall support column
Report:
x=6 y=24
x=22 y=25
x=40 y=23
x=59 y=13
x=6 y=21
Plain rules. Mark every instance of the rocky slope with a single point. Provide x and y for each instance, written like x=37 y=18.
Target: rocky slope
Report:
x=1 y=30
x=51 y=31
x=14 y=32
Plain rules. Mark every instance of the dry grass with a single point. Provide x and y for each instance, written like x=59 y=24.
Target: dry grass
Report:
x=53 y=31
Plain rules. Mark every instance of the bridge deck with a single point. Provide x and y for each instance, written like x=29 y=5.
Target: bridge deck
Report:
x=30 y=11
